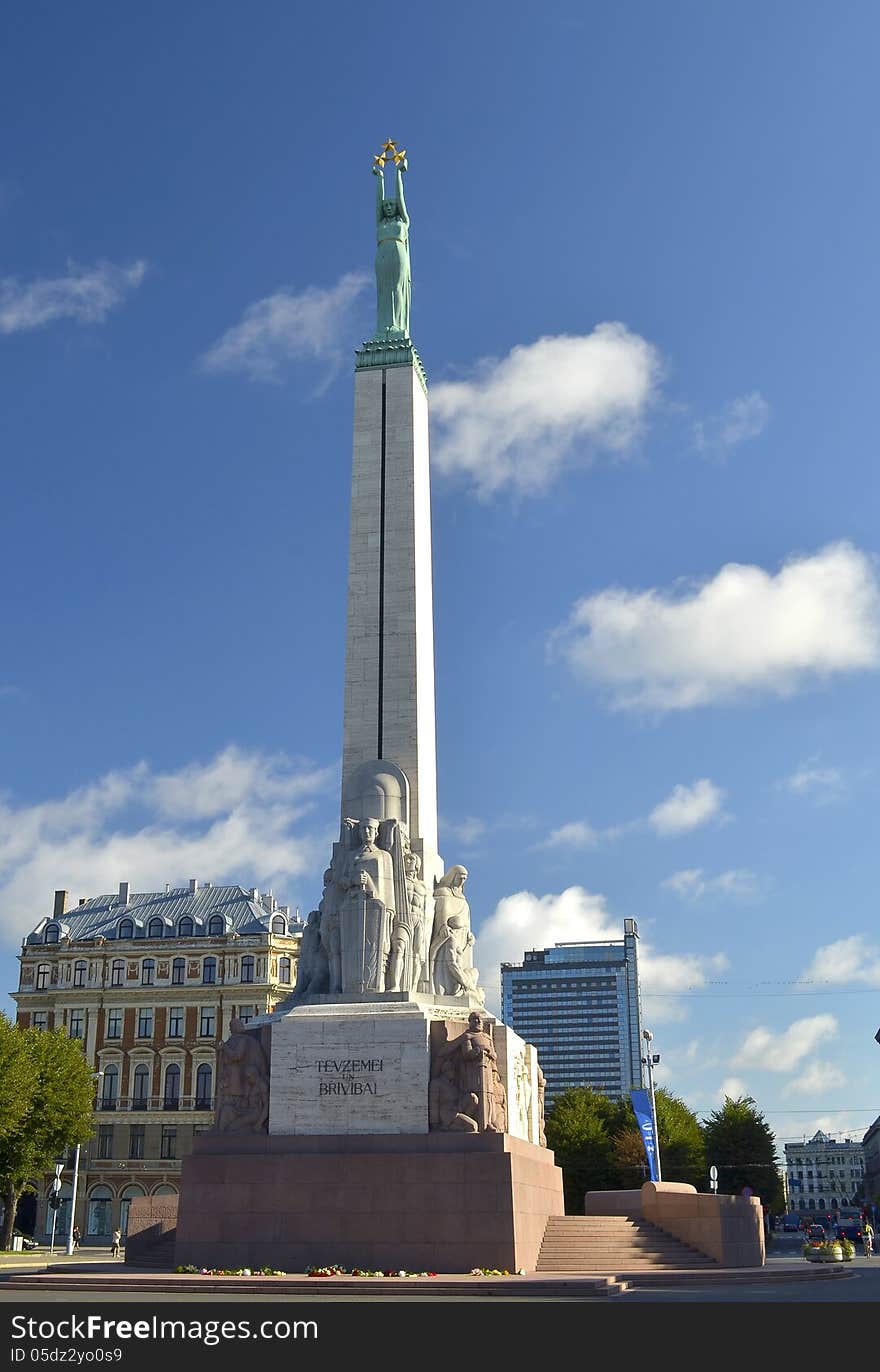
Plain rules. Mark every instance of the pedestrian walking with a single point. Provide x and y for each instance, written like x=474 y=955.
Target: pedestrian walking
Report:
x=117 y=1240
x=77 y=1237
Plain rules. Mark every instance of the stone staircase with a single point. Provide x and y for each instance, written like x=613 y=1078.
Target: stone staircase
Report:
x=613 y=1243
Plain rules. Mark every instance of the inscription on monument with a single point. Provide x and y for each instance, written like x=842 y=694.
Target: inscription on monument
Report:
x=346 y=1081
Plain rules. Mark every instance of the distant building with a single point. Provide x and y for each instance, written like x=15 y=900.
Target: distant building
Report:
x=871 y=1147
x=578 y=1003
x=823 y=1174
x=149 y=982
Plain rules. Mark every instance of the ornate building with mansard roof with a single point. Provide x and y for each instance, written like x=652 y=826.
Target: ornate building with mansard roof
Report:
x=149 y=981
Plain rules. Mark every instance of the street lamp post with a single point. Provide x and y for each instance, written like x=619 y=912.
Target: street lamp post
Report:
x=649 y=1061
x=72 y=1221
x=96 y=1076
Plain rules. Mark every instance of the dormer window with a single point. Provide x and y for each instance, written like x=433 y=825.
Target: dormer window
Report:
x=216 y=925
x=51 y=934
x=185 y=927
x=279 y=925
x=126 y=928
x=155 y=928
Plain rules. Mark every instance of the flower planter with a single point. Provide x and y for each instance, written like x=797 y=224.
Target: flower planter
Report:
x=834 y=1253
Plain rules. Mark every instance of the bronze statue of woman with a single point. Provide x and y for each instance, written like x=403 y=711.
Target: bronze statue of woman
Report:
x=393 y=280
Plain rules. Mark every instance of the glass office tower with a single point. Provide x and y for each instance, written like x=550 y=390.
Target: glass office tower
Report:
x=578 y=1003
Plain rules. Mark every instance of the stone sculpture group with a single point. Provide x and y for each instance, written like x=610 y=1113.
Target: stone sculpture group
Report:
x=374 y=929
x=466 y=1093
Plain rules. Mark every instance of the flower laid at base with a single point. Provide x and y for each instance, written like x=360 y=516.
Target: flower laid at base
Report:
x=332 y=1270
x=192 y=1270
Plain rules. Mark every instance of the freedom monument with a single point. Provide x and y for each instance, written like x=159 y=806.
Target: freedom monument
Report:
x=380 y=1116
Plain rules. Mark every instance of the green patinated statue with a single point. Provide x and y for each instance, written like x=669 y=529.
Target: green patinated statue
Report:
x=393 y=279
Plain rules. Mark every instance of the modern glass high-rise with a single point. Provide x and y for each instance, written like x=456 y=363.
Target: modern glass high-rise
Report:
x=578 y=1003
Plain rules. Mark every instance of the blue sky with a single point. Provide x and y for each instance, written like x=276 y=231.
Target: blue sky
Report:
x=645 y=291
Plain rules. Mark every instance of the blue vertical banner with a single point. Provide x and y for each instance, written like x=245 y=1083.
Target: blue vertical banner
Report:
x=641 y=1102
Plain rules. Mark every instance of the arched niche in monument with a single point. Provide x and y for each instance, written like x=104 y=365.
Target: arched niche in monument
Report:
x=377 y=790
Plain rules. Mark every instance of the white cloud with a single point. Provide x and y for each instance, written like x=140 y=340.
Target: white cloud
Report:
x=524 y=921
x=848 y=959
x=692 y=883
x=86 y=294
x=782 y=1052
x=823 y=783
x=739 y=421
x=819 y=1076
x=577 y=834
x=468 y=831
x=687 y=807
x=237 y=818
x=734 y=1087
x=522 y=416
x=743 y=631
x=284 y=328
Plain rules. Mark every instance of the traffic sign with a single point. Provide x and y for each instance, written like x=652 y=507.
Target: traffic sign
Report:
x=713 y=1173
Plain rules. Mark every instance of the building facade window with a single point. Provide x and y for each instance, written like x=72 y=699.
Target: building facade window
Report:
x=40 y=1019
x=284 y=971
x=207 y=1021
x=76 y=1025
x=204 y=1082
x=247 y=968
x=178 y=972
x=169 y=1141
x=99 y=1212
x=246 y=1013
x=175 y=1022
x=79 y=974
x=145 y=1024
x=155 y=928
x=105 y=1140
x=110 y=1087
x=114 y=1024
x=172 y=1087
x=44 y=971
x=140 y=1087
x=117 y=972
x=125 y=929
x=136 y=1140
x=125 y=1201
x=148 y=972
x=209 y=971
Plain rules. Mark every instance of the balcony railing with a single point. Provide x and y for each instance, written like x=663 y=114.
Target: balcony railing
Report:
x=158 y=1103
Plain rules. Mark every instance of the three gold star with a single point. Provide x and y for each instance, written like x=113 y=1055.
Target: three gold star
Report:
x=390 y=153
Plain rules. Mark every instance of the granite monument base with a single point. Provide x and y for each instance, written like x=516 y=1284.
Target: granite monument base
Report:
x=437 y=1202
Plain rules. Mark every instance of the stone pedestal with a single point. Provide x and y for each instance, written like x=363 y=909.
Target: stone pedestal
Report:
x=429 y=1202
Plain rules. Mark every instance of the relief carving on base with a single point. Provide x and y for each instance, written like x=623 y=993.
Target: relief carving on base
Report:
x=242 y=1104
x=465 y=1092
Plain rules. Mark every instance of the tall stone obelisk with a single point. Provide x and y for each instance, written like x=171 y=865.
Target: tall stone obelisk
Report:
x=389 y=764
x=382 y=1066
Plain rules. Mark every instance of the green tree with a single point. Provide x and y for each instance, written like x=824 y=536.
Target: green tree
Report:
x=581 y=1128
x=50 y=1110
x=682 y=1150
x=741 y=1145
x=682 y=1146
